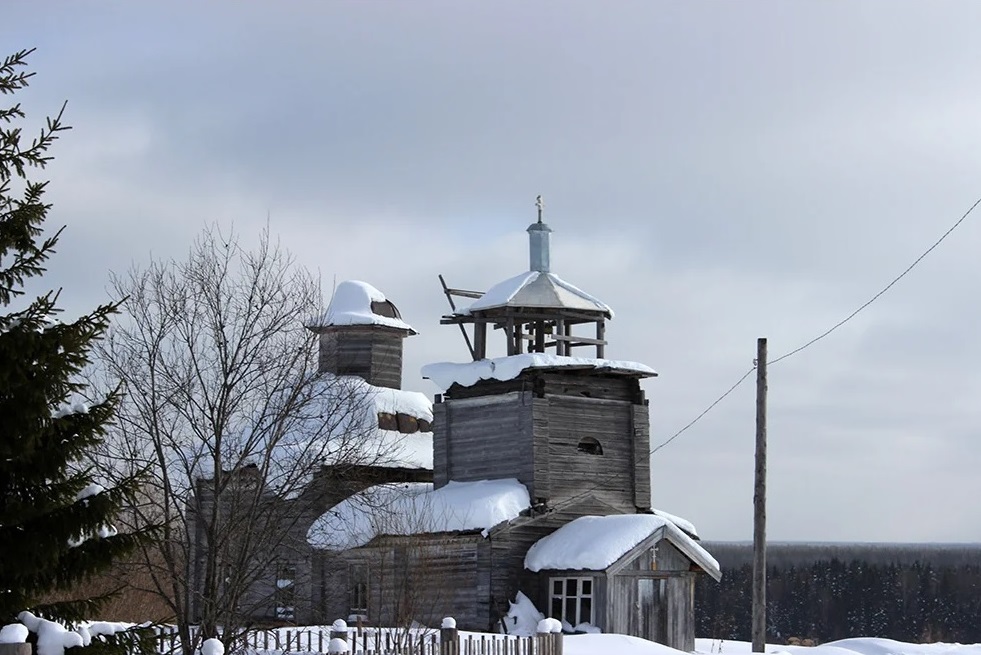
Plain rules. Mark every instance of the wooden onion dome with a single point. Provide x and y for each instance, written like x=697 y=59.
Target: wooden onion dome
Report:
x=537 y=310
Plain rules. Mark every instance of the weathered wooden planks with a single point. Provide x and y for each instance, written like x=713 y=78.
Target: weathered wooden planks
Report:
x=641 y=428
x=573 y=420
x=484 y=438
x=370 y=352
x=421 y=578
x=537 y=428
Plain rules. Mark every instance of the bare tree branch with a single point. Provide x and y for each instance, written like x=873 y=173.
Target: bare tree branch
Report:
x=226 y=408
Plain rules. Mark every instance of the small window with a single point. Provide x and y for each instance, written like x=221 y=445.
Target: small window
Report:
x=572 y=600
x=385 y=308
x=285 y=595
x=358 y=589
x=590 y=446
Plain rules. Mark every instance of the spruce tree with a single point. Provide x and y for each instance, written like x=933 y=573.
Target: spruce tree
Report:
x=56 y=523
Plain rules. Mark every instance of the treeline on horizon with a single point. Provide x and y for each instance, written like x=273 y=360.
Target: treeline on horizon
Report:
x=825 y=592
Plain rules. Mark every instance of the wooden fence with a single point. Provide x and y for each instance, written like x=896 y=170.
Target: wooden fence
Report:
x=381 y=641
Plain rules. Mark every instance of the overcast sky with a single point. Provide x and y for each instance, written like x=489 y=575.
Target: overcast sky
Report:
x=715 y=172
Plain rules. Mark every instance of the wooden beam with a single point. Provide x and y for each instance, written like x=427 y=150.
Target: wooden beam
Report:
x=578 y=341
x=480 y=341
x=509 y=330
x=451 y=319
x=529 y=314
x=449 y=299
x=540 y=336
x=463 y=293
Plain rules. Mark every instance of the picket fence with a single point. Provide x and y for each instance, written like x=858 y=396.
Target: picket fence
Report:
x=381 y=641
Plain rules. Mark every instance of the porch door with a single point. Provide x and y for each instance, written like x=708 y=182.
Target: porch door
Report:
x=651 y=609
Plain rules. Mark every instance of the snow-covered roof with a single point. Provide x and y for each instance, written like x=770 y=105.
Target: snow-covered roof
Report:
x=538 y=289
x=594 y=543
x=685 y=525
x=415 y=508
x=398 y=401
x=350 y=435
x=352 y=305
x=392 y=449
x=446 y=374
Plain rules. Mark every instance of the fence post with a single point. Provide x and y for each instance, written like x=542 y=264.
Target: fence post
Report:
x=449 y=637
x=338 y=630
x=15 y=649
x=548 y=641
x=337 y=646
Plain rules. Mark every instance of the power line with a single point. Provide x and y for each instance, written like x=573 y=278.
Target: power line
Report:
x=826 y=332
x=704 y=412
x=884 y=289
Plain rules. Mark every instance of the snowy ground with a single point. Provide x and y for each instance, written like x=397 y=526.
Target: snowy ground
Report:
x=624 y=645
x=856 y=646
x=613 y=644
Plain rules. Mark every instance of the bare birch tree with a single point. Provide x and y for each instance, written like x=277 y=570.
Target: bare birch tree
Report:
x=225 y=407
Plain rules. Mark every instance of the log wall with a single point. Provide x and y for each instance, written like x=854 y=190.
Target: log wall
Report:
x=370 y=352
x=483 y=438
x=539 y=429
x=421 y=578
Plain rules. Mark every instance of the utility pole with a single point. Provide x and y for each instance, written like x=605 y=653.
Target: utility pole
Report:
x=759 y=505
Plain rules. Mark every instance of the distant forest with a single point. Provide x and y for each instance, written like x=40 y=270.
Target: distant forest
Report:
x=825 y=592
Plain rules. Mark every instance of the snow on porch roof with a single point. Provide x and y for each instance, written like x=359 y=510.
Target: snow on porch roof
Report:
x=446 y=374
x=594 y=543
x=359 y=303
x=540 y=290
x=415 y=508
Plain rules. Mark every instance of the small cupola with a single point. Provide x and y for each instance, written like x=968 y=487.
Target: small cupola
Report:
x=539 y=242
x=538 y=311
x=361 y=334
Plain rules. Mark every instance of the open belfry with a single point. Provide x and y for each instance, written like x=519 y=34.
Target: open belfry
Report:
x=536 y=310
x=561 y=424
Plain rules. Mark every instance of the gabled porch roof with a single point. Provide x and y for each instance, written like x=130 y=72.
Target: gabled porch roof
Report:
x=608 y=543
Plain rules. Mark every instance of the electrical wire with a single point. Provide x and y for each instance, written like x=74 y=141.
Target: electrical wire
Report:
x=826 y=332
x=884 y=289
x=704 y=412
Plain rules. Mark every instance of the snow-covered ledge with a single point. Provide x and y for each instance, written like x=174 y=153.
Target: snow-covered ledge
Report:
x=446 y=374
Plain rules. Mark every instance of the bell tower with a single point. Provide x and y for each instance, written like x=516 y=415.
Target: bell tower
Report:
x=553 y=412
